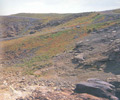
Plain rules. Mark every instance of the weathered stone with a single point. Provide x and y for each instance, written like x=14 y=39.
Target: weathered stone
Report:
x=80 y=57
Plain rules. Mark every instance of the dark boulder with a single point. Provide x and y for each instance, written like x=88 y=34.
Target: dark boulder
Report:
x=32 y=32
x=117 y=87
x=97 y=88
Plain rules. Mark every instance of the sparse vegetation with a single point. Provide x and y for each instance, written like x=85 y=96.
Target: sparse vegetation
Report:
x=50 y=40
x=55 y=51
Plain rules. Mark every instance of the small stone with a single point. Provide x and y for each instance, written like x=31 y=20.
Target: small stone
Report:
x=5 y=83
x=114 y=31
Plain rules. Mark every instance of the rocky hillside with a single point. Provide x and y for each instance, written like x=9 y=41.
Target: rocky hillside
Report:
x=60 y=56
x=27 y=35
x=100 y=50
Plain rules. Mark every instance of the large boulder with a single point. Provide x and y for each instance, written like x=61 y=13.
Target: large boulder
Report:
x=97 y=88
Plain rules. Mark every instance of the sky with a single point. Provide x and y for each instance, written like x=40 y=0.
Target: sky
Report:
x=8 y=7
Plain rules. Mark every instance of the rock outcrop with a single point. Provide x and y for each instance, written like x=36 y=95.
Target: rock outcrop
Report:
x=100 y=50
